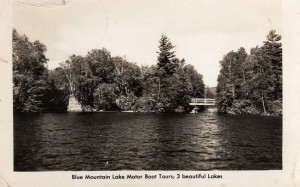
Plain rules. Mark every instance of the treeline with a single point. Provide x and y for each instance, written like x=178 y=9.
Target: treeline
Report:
x=252 y=83
x=33 y=88
x=100 y=81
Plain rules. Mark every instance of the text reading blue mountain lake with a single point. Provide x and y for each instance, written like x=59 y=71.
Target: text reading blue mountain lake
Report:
x=149 y=176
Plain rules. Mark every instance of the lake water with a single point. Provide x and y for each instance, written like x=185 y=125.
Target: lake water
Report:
x=146 y=141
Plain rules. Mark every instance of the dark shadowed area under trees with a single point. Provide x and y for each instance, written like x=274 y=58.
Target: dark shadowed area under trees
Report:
x=252 y=83
x=100 y=81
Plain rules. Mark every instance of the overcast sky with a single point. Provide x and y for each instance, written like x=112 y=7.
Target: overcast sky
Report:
x=202 y=30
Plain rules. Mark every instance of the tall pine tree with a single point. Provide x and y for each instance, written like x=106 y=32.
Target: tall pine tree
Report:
x=273 y=51
x=165 y=57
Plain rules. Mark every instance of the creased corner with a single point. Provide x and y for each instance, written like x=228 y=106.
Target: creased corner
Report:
x=3 y=183
x=296 y=170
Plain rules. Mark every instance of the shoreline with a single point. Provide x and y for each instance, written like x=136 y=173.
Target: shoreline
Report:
x=220 y=113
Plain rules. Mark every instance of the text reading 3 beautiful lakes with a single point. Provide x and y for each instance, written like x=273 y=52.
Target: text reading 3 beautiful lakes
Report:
x=148 y=176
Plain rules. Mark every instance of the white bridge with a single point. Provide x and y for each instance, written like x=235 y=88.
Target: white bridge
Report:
x=203 y=102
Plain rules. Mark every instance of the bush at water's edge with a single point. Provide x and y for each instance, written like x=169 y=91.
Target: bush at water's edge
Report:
x=274 y=108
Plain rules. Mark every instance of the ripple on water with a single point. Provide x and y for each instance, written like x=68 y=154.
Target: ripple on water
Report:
x=146 y=141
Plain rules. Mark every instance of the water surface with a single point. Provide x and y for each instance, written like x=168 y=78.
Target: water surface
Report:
x=146 y=141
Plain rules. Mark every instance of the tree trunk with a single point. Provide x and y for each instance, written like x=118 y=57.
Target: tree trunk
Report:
x=231 y=80
x=244 y=78
x=263 y=103
x=158 y=94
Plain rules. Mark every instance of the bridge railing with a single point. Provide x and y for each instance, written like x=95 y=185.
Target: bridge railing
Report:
x=203 y=101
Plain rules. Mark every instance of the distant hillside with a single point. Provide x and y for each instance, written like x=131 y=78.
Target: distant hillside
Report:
x=213 y=89
x=210 y=92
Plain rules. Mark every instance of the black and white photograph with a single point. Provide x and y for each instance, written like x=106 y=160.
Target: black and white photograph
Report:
x=149 y=93
x=147 y=85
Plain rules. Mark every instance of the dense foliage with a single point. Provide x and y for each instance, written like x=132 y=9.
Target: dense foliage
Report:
x=252 y=84
x=100 y=81
x=33 y=91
